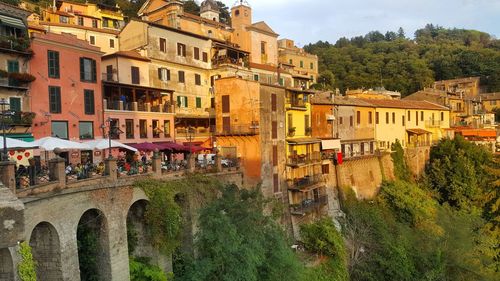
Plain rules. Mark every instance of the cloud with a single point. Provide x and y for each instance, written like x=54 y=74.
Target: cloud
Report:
x=312 y=20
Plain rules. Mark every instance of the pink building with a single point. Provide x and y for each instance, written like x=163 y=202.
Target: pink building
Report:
x=66 y=95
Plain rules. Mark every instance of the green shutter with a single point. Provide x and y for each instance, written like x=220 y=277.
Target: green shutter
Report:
x=15 y=104
x=159 y=73
x=186 y=100
x=198 y=102
x=13 y=66
x=82 y=70
x=179 y=101
x=94 y=71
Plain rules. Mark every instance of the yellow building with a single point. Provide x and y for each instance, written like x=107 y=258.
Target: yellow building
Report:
x=304 y=66
x=463 y=87
x=490 y=101
x=304 y=174
x=413 y=123
x=373 y=94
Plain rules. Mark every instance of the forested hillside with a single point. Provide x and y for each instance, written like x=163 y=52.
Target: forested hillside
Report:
x=407 y=65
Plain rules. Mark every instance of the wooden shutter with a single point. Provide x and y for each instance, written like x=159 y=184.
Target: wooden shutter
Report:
x=82 y=69
x=181 y=77
x=15 y=104
x=275 y=155
x=225 y=104
x=276 y=183
x=274 y=129
x=273 y=102
x=196 y=53
x=205 y=56
x=163 y=45
x=135 y=74
x=159 y=73
x=93 y=74
x=226 y=124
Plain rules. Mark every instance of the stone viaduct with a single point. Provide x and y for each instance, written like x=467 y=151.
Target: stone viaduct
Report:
x=48 y=217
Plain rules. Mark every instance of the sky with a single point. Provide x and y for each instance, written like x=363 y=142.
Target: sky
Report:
x=308 y=21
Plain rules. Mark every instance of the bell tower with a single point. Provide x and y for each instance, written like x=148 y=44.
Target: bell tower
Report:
x=241 y=14
x=209 y=10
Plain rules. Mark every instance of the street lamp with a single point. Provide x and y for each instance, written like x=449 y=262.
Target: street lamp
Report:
x=3 y=104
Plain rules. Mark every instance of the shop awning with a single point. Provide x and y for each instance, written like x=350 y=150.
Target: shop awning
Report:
x=418 y=131
x=331 y=144
x=14 y=22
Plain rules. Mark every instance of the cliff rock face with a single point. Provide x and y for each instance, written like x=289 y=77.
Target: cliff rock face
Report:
x=11 y=218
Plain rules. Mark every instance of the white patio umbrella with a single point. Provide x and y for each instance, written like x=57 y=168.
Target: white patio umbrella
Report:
x=13 y=144
x=104 y=144
x=51 y=143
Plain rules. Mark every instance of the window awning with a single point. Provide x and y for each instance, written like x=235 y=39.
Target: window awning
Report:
x=331 y=144
x=14 y=22
x=418 y=131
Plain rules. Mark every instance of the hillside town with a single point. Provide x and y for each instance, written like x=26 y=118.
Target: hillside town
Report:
x=90 y=98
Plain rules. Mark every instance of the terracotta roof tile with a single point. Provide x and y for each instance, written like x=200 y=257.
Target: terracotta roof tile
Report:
x=127 y=54
x=406 y=104
x=66 y=38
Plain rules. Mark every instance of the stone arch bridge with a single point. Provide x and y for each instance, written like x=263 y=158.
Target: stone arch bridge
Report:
x=50 y=218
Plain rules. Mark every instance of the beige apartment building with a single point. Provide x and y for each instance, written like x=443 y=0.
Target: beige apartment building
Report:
x=303 y=66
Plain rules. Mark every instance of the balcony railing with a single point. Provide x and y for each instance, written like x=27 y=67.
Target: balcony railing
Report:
x=13 y=82
x=433 y=123
x=110 y=77
x=305 y=182
x=228 y=60
x=20 y=118
x=20 y=44
x=135 y=106
x=304 y=159
x=246 y=129
x=297 y=103
x=309 y=205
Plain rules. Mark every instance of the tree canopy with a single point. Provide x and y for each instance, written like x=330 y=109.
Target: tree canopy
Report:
x=407 y=65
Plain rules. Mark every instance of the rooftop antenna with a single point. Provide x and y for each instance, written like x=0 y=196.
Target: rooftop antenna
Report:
x=241 y=2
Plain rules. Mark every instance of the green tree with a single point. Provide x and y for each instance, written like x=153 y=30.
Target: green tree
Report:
x=190 y=6
x=26 y=267
x=401 y=169
x=236 y=241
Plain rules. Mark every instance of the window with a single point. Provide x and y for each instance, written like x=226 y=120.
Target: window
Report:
x=263 y=47
x=134 y=72
x=403 y=120
x=143 y=129
x=256 y=77
x=370 y=117
x=274 y=130
x=92 y=40
x=86 y=130
x=205 y=56
x=156 y=129
x=276 y=183
x=63 y=19
x=53 y=62
x=341 y=120
x=182 y=101
x=442 y=116
x=307 y=126
x=197 y=79
x=129 y=128
x=196 y=53
x=376 y=118
x=273 y=102
x=312 y=65
x=94 y=23
x=302 y=64
x=409 y=116
x=198 y=102
x=112 y=43
x=416 y=117
x=393 y=118
x=182 y=79
x=114 y=127
x=351 y=121
x=210 y=33
x=80 y=21
x=421 y=116
x=325 y=169
x=290 y=122
x=88 y=70
x=12 y=66
x=163 y=74
x=166 y=128
x=54 y=99
x=59 y=129
x=88 y=99
x=163 y=45
x=181 y=49
x=14 y=104
x=275 y=155
x=358 y=117
x=225 y=104
x=387 y=117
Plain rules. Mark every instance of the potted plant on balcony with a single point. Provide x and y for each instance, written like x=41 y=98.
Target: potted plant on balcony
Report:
x=308 y=131
x=291 y=131
x=22 y=77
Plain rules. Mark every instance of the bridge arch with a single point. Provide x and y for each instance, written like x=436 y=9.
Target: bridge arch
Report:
x=93 y=246
x=6 y=265
x=139 y=241
x=45 y=244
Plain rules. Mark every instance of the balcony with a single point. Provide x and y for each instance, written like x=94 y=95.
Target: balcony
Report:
x=309 y=205
x=305 y=182
x=195 y=132
x=304 y=159
x=110 y=77
x=138 y=107
x=240 y=130
x=20 y=118
x=15 y=80
x=433 y=123
x=299 y=104
x=15 y=44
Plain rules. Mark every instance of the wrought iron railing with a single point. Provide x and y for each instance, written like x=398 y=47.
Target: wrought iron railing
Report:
x=303 y=159
x=309 y=205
